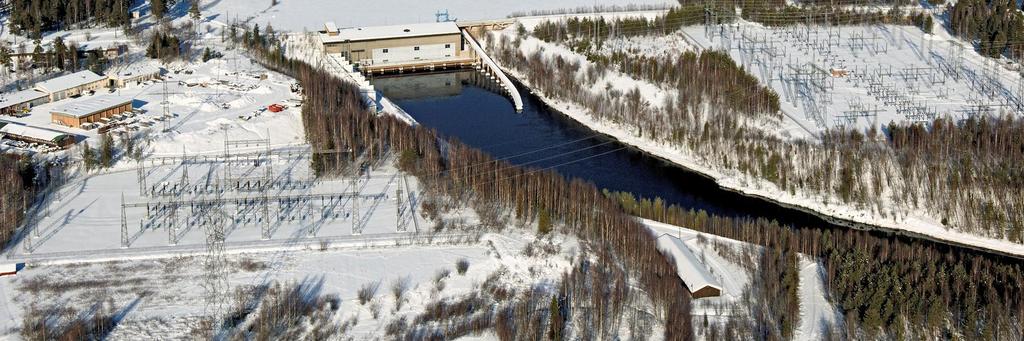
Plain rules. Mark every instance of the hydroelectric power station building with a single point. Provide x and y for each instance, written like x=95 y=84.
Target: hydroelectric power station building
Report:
x=400 y=48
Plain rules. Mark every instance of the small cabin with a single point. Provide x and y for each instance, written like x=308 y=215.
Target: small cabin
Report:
x=839 y=72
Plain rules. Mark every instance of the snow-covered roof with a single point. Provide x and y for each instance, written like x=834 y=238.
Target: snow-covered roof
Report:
x=689 y=267
x=134 y=70
x=8 y=99
x=394 y=31
x=31 y=132
x=85 y=108
x=331 y=26
x=69 y=81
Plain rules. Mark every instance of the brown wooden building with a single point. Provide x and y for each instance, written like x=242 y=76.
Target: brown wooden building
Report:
x=90 y=110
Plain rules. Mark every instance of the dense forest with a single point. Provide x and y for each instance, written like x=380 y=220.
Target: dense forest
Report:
x=906 y=168
x=33 y=17
x=335 y=119
x=996 y=26
x=902 y=287
x=16 y=179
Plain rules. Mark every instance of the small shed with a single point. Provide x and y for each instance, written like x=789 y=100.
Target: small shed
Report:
x=331 y=29
x=839 y=72
x=694 y=275
x=11 y=268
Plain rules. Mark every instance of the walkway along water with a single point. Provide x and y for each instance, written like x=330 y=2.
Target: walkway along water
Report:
x=469 y=107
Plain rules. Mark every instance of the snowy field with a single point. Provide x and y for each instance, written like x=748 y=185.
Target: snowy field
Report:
x=163 y=298
x=313 y=14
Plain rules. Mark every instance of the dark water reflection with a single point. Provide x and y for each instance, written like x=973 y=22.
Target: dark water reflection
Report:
x=469 y=107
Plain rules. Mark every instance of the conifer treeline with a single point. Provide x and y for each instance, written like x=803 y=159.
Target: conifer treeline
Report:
x=32 y=17
x=334 y=118
x=882 y=283
x=997 y=26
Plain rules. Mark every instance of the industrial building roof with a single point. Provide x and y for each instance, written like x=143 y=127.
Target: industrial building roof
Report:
x=134 y=70
x=689 y=267
x=13 y=98
x=90 y=106
x=69 y=81
x=391 y=32
x=31 y=132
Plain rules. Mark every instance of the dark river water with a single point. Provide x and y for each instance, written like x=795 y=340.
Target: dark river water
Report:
x=468 y=107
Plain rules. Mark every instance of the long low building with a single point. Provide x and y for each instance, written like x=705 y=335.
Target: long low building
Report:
x=697 y=278
x=29 y=134
x=16 y=103
x=91 y=110
x=371 y=48
x=133 y=74
x=72 y=85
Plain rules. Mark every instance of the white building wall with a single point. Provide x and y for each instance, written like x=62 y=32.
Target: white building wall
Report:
x=410 y=53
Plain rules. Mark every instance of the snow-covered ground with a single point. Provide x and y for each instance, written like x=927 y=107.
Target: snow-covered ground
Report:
x=313 y=14
x=894 y=73
x=817 y=314
x=163 y=298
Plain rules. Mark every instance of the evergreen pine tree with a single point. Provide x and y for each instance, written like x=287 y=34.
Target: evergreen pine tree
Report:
x=38 y=55
x=106 y=151
x=193 y=10
x=59 y=53
x=555 y=331
x=543 y=221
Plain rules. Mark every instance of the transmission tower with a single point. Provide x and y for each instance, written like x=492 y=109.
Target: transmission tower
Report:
x=124 y=224
x=216 y=283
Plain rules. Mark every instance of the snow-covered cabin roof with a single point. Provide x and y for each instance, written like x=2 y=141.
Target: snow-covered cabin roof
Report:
x=689 y=267
x=8 y=99
x=90 y=106
x=69 y=81
x=393 y=31
x=30 y=132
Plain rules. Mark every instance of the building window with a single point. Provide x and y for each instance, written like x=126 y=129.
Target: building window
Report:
x=385 y=50
x=447 y=46
x=417 y=48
